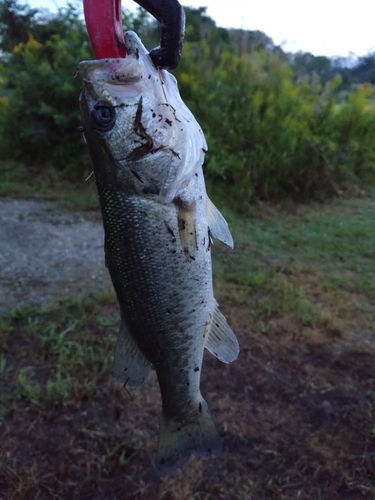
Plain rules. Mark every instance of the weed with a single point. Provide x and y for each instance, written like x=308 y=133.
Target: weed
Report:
x=62 y=388
x=27 y=388
x=3 y=365
x=55 y=342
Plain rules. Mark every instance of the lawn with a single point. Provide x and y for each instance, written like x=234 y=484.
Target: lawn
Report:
x=296 y=410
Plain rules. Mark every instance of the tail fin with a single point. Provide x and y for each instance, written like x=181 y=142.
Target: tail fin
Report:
x=179 y=439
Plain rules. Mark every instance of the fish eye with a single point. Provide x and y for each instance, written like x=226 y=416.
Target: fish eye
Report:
x=104 y=117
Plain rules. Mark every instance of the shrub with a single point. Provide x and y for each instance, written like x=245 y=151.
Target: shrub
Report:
x=271 y=138
x=39 y=120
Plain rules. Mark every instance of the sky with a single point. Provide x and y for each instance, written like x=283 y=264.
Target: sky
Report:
x=322 y=27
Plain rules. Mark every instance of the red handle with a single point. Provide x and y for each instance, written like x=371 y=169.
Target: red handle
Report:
x=104 y=26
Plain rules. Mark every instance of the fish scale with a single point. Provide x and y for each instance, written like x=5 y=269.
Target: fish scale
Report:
x=158 y=223
x=140 y=280
x=140 y=287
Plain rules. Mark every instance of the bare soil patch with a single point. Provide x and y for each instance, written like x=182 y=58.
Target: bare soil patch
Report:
x=46 y=254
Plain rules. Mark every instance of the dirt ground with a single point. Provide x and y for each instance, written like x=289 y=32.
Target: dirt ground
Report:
x=46 y=254
x=296 y=410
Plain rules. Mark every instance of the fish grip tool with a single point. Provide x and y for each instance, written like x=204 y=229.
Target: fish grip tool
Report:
x=104 y=26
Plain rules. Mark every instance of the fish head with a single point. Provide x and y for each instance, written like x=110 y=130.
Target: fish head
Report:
x=136 y=126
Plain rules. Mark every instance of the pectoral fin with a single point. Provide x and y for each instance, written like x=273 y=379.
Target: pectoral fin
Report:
x=217 y=224
x=130 y=366
x=221 y=341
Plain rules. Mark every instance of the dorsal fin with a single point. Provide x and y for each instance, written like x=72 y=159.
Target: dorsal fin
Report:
x=221 y=341
x=217 y=224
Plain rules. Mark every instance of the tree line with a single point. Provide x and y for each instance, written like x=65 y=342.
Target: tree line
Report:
x=277 y=124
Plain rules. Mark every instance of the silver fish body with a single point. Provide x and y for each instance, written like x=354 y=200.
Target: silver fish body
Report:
x=147 y=152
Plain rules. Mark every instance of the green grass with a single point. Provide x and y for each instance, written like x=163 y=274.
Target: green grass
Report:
x=340 y=233
x=60 y=355
x=23 y=181
x=315 y=262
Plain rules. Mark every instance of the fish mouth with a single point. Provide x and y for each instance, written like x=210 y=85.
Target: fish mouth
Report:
x=112 y=79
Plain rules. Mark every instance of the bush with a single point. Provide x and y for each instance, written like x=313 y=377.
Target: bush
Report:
x=351 y=128
x=271 y=138
x=40 y=118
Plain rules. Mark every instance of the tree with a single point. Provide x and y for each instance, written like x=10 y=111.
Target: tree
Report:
x=364 y=71
x=315 y=69
x=16 y=22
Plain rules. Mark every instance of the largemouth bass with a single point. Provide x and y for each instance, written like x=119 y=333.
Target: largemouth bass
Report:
x=147 y=152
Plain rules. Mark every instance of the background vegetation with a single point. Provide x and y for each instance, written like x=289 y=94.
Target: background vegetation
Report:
x=278 y=125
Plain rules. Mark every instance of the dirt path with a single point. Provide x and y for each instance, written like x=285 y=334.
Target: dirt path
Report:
x=46 y=254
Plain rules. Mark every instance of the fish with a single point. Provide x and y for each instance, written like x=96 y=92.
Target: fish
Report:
x=147 y=151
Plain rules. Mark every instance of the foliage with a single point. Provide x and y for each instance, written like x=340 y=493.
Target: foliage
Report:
x=277 y=126
x=15 y=24
x=310 y=68
x=39 y=115
x=270 y=137
x=364 y=71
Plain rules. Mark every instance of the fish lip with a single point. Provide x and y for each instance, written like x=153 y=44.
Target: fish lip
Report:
x=111 y=71
x=129 y=70
x=104 y=78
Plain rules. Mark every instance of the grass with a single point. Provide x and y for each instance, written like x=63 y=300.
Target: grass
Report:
x=23 y=181
x=296 y=410
x=313 y=262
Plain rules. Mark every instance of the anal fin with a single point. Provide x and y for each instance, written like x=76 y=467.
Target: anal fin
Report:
x=221 y=341
x=130 y=366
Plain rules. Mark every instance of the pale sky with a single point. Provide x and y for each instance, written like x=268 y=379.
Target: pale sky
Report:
x=323 y=27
